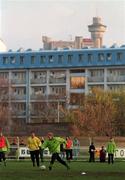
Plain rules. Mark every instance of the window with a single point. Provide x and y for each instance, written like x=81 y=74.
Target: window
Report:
x=32 y=59
x=97 y=73
x=21 y=59
x=59 y=90
x=70 y=57
x=12 y=60
x=51 y=59
x=119 y=56
x=80 y=58
x=42 y=59
x=101 y=57
x=90 y=58
x=20 y=91
x=60 y=59
x=5 y=60
x=39 y=90
x=109 y=56
x=77 y=82
x=57 y=77
x=4 y=75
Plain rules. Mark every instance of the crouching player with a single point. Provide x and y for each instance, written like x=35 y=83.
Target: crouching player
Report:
x=53 y=144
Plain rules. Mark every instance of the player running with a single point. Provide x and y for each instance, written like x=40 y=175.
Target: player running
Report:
x=53 y=144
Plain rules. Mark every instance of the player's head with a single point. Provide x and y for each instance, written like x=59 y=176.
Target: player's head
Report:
x=111 y=139
x=50 y=135
x=33 y=134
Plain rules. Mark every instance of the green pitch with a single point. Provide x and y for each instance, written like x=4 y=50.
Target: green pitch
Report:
x=94 y=171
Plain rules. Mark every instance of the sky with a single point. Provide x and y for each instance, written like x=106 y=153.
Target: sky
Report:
x=24 y=22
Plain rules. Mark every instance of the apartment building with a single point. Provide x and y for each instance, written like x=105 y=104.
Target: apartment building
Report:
x=50 y=80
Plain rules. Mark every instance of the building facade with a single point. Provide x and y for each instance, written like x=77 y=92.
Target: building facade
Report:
x=97 y=30
x=78 y=43
x=59 y=78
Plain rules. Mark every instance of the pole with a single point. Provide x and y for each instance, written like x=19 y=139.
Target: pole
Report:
x=58 y=114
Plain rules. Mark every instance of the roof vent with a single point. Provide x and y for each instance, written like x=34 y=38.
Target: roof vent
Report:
x=122 y=46
x=29 y=49
x=20 y=49
x=114 y=45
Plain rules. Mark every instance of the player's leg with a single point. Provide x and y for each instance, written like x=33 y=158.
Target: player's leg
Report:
x=32 y=155
x=67 y=154
x=37 y=157
x=4 y=158
x=112 y=158
x=109 y=158
x=53 y=158
x=62 y=161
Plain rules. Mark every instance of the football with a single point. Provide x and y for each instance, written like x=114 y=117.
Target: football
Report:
x=43 y=167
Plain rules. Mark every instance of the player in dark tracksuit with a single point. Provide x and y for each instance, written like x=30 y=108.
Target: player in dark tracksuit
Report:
x=92 y=153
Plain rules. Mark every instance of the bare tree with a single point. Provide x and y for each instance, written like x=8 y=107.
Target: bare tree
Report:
x=4 y=103
x=48 y=109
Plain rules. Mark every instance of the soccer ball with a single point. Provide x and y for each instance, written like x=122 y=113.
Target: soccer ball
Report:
x=43 y=167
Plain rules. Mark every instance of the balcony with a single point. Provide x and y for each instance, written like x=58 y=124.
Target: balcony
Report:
x=19 y=113
x=116 y=79
x=37 y=97
x=18 y=97
x=96 y=79
x=38 y=81
x=18 y=81
x=59 y=81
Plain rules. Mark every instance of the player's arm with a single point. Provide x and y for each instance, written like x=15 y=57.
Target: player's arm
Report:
x=44 y=145
x=61 y=140
x=39 y=142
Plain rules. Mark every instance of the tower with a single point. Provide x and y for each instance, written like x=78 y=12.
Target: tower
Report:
x=97 y=30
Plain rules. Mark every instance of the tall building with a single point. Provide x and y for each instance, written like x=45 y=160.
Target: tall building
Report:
x=97 y=30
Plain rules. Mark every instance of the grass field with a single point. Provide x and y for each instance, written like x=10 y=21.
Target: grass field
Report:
x=100 y=171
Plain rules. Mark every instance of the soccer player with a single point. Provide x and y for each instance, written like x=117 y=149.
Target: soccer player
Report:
x=111 y=148
x=102 y=154
x=4 y=148
x=69 y=146
x=76 y=147
x=92 y=152
x=53 y=144
x=34 y=145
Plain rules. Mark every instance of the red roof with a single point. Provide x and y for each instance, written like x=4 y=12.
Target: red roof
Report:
x=87 y=40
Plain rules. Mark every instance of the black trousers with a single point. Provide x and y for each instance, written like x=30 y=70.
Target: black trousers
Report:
x=56 y=156
x=2 y=156
x=35 y=157
x=110 y=158
x=92 y=157
x=68 y=154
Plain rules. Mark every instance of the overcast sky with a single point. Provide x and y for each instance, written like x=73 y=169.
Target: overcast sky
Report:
x=23 y=22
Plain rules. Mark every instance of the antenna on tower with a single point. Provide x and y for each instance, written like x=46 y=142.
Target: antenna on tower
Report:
x=96 y=12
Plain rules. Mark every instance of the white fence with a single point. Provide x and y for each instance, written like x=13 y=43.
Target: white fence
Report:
x=23 y=152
